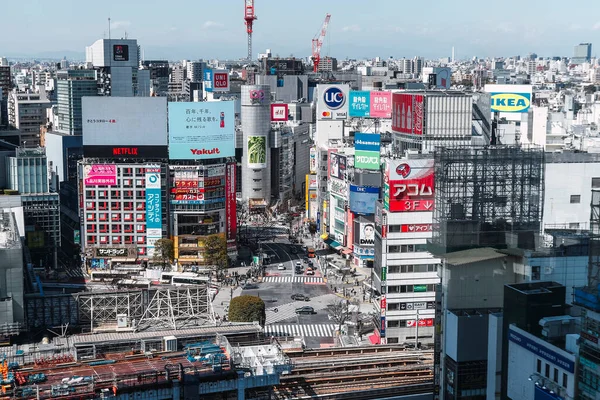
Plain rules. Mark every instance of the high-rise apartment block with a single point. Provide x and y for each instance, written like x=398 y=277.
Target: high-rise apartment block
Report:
x=72 y=85
x=582 y=53
x=27 y=112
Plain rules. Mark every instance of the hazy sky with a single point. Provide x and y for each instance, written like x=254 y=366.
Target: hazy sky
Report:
x=359 y=28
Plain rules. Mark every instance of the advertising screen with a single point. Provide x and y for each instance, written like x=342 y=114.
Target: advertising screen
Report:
x=279 y=112
x=409 y=185
x=360 y=103
x=408 y=113
x=337 y=165
x=256 y=152
x=332 y=102
x=364 y=234
x=362 y=199
x=201 y=130
x=153 y=207
x=100 y=174
x=367 y=151
x=220 y=81
x=230 y=205
x=381 y=105
x=124 y=127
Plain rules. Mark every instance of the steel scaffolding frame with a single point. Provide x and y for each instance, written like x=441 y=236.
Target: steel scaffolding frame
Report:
x=97 y=308
x=487 y=196
x=177 y=308
x=594 y=251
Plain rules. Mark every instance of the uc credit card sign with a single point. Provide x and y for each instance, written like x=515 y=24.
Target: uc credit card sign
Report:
x=510 y=102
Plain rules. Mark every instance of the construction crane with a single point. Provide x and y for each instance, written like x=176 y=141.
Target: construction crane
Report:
x=317 y=42
x=249 y=18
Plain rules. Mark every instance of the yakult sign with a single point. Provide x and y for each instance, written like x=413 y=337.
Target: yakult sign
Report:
x=408 y=185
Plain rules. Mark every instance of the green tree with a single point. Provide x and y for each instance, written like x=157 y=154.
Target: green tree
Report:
x=215 y=251
x=247 y=309
x=164 y=252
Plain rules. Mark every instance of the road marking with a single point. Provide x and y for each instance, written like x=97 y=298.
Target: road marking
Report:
x=295 y=279
x=312 y=330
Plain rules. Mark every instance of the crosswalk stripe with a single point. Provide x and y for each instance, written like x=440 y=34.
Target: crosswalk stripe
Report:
x=316 y=330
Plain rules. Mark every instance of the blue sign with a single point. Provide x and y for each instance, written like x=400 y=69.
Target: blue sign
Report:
x=367 y=142
x=541 y=351
x=205 y=201
x=153 y=209
x=318 y=221
x=207 y=81
x=201 y=130
x=360 y=103
x=334 y=98
x=363 y=199
x=382 y=330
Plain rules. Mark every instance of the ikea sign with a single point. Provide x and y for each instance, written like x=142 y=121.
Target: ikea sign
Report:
x=510 y=102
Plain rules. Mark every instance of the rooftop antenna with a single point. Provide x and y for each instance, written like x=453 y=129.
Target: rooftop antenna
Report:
x=108 y=28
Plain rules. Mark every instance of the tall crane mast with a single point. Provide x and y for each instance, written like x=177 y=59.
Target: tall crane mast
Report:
x=317 y=42
x=249 y=18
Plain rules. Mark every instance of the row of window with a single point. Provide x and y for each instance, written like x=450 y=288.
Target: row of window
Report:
x=411 y=288
x=407 y=248
x=115 y=228
x=555 y=375
x=114 y=206
x=396 y=269
x=93 y=240
x=116 y=217
x=115 y=194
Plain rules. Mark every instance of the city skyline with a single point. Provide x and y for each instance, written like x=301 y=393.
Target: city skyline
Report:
x=393 y=29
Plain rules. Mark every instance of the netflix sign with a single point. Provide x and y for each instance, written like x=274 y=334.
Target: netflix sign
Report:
x=409 y=186
x=125 y=152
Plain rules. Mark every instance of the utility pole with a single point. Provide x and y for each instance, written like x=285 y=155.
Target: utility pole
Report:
x=417 y=332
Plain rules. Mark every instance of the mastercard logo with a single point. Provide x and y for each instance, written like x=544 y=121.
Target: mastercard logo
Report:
x=326 y=114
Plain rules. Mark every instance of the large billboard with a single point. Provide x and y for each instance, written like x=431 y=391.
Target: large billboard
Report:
x=408 y=185
x=509 y=98
x=312 y=165
x=201 y=130
x=124 y=126
x=100 y=174
x=367 y=151
x=230 y=205
x=256 y=152
x=381 y=105
x=220 y=81
x=408 y=113
x=362 y=199
x=337 y=165
x=279 y=112
x=153 y=207
x=364 y=233
x=338 y=187
x=332 y=102
x=360 y=103
x=207 y=80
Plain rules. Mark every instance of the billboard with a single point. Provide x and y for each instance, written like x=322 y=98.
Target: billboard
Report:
x=201 y=130
x=220 y=81
x=509 y=98
x=360 y=103
x=381 y=105
x=408 y=113
x=256 y=152
x=364 y=234
x=120 y=52
x=123 y=122
x=312 y=166
x=362 y=199
x=332 y=102
x=153 y=207
x=100 y=174
x=338 y=187
x=279 y=112
x=230 y=205
x=408 y=185
x=337 y=165
x=207 y=80
x=367 y=151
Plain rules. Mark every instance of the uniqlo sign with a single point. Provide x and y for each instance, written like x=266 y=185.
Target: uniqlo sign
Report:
x=220 y=81
x=279 y=112
x=410 y=186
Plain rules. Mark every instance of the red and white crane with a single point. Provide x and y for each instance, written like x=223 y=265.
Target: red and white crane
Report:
x=249 y=18
x=317 y=42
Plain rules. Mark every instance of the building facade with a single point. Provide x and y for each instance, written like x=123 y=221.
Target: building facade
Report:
x=71 y=86
x=27 y=113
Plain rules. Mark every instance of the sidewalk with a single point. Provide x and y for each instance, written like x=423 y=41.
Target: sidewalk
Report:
x=221 y=301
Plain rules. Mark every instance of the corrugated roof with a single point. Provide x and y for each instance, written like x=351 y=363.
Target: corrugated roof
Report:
x=472 y=255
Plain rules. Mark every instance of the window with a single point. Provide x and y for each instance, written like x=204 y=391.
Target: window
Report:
x=392 y=340
x=393 y=269
x=535 y=273
x=547 y=374
x=575 y=199
x=393 y=324
x=573 y=225
x=595 y=183
x=565 y=381
x=394 y=228
x=393 y=306
x=539 y=366
x=555 y=375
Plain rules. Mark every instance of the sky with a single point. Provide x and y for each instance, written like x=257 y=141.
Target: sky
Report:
x=204 y=29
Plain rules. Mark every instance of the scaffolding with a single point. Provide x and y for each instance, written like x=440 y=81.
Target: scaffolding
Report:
x=487 y=196
x=589 y=296
x=97 y=309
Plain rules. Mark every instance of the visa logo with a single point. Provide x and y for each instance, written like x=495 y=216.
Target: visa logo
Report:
x=510 y=102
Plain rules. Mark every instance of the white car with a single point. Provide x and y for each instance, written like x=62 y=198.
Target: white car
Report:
x=281 y=267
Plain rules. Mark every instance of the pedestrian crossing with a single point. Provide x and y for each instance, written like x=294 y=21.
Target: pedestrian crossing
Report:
x=294 y=279
x=313 y=330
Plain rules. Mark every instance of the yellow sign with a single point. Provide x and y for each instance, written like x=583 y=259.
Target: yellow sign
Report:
x=510 y=102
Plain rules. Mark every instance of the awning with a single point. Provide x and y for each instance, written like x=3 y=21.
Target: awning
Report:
x=346 y=251
x=325 y=236
x=122 y=259
x=374 y=338
x=333 y=244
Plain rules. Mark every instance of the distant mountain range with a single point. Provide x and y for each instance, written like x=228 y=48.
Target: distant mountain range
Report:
x=48 y=55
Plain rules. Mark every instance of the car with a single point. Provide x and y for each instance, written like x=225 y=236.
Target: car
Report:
x=310 y=272
x=301 y=297
x=306 y=260
x=249 y=286
x=298 y=264
x=305 y=310
x=281 y=267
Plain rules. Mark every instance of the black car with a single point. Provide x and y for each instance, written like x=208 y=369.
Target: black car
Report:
x=300 y=297
x=305 y=310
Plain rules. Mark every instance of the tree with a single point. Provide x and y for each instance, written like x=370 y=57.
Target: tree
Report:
x=340 y=312
x=215 y=251
x=247 y=309
x=164 y=252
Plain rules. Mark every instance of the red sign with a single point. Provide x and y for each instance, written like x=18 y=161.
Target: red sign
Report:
x=412 y=188
x=383 y=303
x=408 y=113
x=186 y=184
x=189 y=196
x=184 y=190
x=125 y=151
x=221 y=80
x=422 y=322
x=414 y=228
x=212 y=182
x=230 y=204
x=279 y=112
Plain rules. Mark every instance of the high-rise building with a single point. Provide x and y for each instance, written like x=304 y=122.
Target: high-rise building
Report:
x=582 y=53
x=328 y=64
x=27 y=113
x=12 y=308
x=194 y=70
x=159 y=76
x=72 y=85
